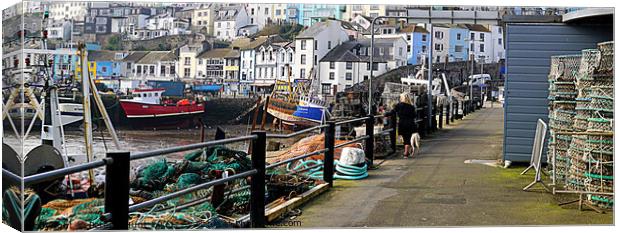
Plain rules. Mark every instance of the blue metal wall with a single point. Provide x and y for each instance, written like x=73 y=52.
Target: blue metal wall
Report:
x=529 y=48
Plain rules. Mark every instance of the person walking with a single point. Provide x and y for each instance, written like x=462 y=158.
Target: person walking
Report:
x=406 y=113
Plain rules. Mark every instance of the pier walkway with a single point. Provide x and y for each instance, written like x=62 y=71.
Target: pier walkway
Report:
x=437 y=188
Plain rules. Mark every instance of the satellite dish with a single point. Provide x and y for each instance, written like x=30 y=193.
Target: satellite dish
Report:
x=10 y=160
x=43 y=158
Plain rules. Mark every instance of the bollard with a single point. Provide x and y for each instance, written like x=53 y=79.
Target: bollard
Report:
x=440 y=117
x=393 y=133
x=116 y=200
x=328 y=165
x=370 y=146
x=257 y=184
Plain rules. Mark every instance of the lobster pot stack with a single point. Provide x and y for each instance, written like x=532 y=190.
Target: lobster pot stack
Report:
x=599 y=157
x=562 y=94
x=578 y=146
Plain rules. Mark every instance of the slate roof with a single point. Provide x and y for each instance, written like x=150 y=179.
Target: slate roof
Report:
x=477 y=28
x=135 y=56
x=104 y=55
x=154 y=56
x=215 y=53
x=345 y=52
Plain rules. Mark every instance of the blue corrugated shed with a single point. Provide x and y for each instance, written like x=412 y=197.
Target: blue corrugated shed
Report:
x=172 y=88
x=210 y=88
x=529 y=48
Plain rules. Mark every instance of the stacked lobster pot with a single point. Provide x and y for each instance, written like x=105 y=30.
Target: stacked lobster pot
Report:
x=562 y=94
x=584 y=82
x=599 y=157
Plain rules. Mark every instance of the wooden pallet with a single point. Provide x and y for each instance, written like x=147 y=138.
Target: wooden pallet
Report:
x=275 y=212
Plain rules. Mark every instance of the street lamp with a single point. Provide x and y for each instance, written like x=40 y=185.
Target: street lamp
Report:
x=430 y=64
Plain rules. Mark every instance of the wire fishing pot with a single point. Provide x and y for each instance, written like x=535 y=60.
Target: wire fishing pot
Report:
x=605 y=202
x=590 y=60
x=607 y=57
x=571 y=67
x=600 y=125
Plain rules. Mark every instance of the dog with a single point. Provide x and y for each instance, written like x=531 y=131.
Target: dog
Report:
x=415 y=142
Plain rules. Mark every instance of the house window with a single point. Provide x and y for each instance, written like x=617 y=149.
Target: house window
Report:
x=482 y=48
x=186 y=73
x=471 y=47
x=349 y=76
x=332 y=75
x=458 y=48
x=365 y=77
x=438 y=47
x=282 y=71
x=303 y=59
x=349 y=65
x=200 y=61
x=458 y=36
x=162 y=70
x=408 y=48
x=332 y=65
x=481 y=36
x=375 y=66
x=367 y=65
x=439 y=35
x=499 y=41
x=408 y=37
x=187 y=61
x=316 y=44
x=326 y=88
x=400 y=51
x=315 y=60
x=151 y=69
x=138 y=69
x=303 y=45
x=329 y=45
x=302 y=73
x=472 y=36
x=424 y=37
x=172 y=71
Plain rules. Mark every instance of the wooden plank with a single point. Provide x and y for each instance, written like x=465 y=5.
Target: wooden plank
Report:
x=277 y=211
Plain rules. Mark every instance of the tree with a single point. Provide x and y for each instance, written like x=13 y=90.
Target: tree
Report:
x=114 y=43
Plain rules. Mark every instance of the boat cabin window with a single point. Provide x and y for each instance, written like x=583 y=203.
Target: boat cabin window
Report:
x=156 y=94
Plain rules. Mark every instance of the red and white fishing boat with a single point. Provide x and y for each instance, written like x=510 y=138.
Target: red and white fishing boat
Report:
x=147 y=109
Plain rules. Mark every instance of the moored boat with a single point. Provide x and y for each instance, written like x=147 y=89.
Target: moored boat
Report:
x=148 y=109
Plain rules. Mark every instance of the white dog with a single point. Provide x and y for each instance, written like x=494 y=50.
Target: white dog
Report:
x=415 y=142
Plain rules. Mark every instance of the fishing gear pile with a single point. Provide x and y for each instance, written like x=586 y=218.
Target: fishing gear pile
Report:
x=584 y=162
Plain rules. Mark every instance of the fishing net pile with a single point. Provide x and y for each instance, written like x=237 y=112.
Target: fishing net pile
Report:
x=585 y=162
x=156 y=179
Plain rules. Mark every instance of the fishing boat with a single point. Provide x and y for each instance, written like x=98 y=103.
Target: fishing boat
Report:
x=292 y=104
x=148 y=109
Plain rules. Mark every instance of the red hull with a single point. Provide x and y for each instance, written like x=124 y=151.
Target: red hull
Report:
x=144 y=110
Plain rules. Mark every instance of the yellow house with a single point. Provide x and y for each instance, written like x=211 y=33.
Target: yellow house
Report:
x=203 y=17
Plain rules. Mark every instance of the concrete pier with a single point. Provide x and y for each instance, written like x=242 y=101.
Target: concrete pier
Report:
x=437 y=188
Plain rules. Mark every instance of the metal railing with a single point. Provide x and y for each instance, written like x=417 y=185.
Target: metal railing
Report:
x=119 y=162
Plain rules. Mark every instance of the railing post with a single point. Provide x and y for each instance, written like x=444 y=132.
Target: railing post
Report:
x=393 y=133
x=117 y=189
x=257 y=185
x=328 y=165
x=370 y=146
x=454 y=110
x=448 y=107
x=440 y=108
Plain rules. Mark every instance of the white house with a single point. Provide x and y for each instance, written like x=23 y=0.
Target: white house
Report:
x=161 y=25
x=69 y=10
x=497 y=37
x=480 y=42
x=349 y=63
x=188 y=60
x=156 y=65
x=441 y=42
x=60 y=30
x=228 y=22
x=312 y=44
x=274 y=61
x=286 y=61
x=247 y=70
